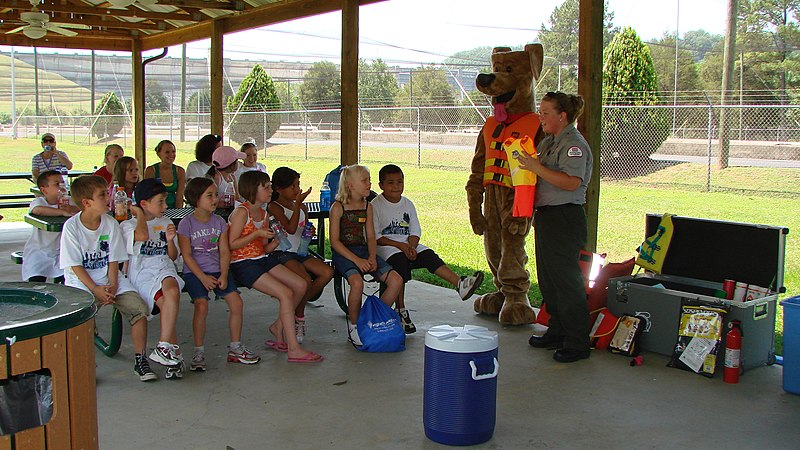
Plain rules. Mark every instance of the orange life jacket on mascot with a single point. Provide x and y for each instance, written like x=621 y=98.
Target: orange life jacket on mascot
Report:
x=497 y=169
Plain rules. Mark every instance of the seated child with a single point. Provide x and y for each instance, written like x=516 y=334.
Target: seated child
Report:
x=113 y=152
x=126 y=174
x=354 y=247
x=398 y=231
x=203 y=241
x=40 y=254
x=91 y=249
x=288 y=208
x=253 y=265
x=150 y=241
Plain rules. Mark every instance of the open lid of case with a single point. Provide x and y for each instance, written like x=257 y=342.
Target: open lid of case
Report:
x=714 y=250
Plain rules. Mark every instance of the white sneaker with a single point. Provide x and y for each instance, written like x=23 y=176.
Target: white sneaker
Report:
x=300 y=330
x=164 y=354
x=467 y=285
x=352 y=335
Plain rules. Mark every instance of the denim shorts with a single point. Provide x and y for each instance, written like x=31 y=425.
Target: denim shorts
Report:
x=346 y=267
x=196 y=289
x=284 y=257
x=247 y=271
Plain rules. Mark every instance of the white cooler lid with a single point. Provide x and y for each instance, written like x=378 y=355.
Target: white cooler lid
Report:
x=466 y=339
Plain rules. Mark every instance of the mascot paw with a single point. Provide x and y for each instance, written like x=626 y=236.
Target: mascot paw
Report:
x=517 y=312
x=489 y=303
x=519 y=226
x=478 y=225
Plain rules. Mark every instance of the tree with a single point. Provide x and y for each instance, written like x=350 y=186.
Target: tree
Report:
x=630 y=135
x=376 y=85
x=253 y=100
x=427 y=86
x=560 y=42
x=154 y=98
x=322 y=86
x=111 y=116
x=477 y=57
x=700 y=43
x=663 y=54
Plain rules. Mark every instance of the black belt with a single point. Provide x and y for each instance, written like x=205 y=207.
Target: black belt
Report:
x=565 y=205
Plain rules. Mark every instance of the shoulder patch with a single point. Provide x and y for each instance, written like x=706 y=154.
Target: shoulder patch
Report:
x=574 y=152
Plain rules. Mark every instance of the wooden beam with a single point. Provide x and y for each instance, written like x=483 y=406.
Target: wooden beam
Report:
x=101 y=11
x=137 y=93
x=205 y=4
x=590 y=87
x=349 y=138
x=57 y=41
x=217 y=122
x=283 y=12
x=92 y=21
x=177 y=36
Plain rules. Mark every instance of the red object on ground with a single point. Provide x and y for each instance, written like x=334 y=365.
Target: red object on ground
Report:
x=733 y=351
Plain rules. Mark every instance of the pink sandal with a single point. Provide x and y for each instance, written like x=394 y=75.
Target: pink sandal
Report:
x=277 y=345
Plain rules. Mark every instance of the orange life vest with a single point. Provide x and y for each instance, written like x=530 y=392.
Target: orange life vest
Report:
x=495 y=133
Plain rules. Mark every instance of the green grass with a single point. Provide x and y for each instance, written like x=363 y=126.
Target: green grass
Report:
x=441 y=200
x=53 y=88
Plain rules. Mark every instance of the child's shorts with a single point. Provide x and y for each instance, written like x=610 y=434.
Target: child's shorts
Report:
x=346 y=267
x=284 y=257
x=196 y=289
x=426 y=259
x=131 y=305
x=248 y=271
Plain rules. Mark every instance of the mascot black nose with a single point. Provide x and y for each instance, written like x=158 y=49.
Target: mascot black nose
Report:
x=485 y=79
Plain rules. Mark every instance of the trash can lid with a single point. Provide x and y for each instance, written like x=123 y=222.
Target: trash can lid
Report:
x=466 y=339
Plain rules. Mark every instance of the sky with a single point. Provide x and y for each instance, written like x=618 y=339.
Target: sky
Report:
x=413 y=32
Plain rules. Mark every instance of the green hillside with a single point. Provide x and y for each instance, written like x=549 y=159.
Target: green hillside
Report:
x=54 y=90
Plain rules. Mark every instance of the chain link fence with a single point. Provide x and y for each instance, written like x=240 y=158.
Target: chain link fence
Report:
x=676 y=146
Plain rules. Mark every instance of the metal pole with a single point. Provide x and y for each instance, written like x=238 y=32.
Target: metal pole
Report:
x=419 y=138
x=305 y=131
x=183 y=93
x=675 y=88
x=710 y=136
x=91 y=94
x=36 y=88
x=13 y=99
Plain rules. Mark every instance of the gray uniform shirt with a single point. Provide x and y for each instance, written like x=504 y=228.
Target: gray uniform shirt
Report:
x=569 y=153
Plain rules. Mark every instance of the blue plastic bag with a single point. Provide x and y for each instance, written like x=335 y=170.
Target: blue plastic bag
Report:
x=379 y=327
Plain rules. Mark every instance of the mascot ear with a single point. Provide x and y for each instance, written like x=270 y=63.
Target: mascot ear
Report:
x=536 y=53
x=501 y=50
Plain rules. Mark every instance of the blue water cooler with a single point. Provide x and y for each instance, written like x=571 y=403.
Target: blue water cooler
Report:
x=459 y=401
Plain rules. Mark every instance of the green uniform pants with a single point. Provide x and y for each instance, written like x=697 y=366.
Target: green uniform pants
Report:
x=560 y=234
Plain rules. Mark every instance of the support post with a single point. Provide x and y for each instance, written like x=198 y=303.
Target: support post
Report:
x=137 y=97
x=590 y=87
x=217 y=121
x=349 y=137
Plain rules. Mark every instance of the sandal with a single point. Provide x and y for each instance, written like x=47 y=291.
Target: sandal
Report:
x=277 y=345
x=310 y=357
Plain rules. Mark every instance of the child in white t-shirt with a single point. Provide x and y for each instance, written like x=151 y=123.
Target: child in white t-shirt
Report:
x=91 y=250
x=151 y=243
x=40 y=254
x=398 y=231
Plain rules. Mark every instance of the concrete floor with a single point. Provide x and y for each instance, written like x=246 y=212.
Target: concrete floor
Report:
x=358 y=400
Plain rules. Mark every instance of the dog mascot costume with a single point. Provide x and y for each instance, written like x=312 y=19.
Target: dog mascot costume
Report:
x=490 y=191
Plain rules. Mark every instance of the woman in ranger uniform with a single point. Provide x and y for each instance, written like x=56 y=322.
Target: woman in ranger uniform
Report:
x=564 y=168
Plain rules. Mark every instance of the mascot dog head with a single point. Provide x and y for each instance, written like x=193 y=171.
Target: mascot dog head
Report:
x=511 y=79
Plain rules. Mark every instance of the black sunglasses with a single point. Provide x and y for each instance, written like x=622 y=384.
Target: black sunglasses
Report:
x=48 y=140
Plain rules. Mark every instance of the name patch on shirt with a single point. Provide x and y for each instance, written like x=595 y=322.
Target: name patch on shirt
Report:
x=574 y=152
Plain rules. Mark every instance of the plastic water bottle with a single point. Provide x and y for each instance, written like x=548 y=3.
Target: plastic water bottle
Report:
x=325 y=197
x=63 y=196
x=121 y=207
x=305 y=238
x=228 y=196
x=65 y=177
x=280 y=234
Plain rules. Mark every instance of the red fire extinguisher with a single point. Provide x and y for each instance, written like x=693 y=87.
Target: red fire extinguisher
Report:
x=733 y=352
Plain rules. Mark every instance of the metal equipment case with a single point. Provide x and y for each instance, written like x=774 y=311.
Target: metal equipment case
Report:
x=701 y=254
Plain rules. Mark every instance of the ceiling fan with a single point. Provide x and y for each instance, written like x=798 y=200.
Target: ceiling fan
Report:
x=39 y=24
